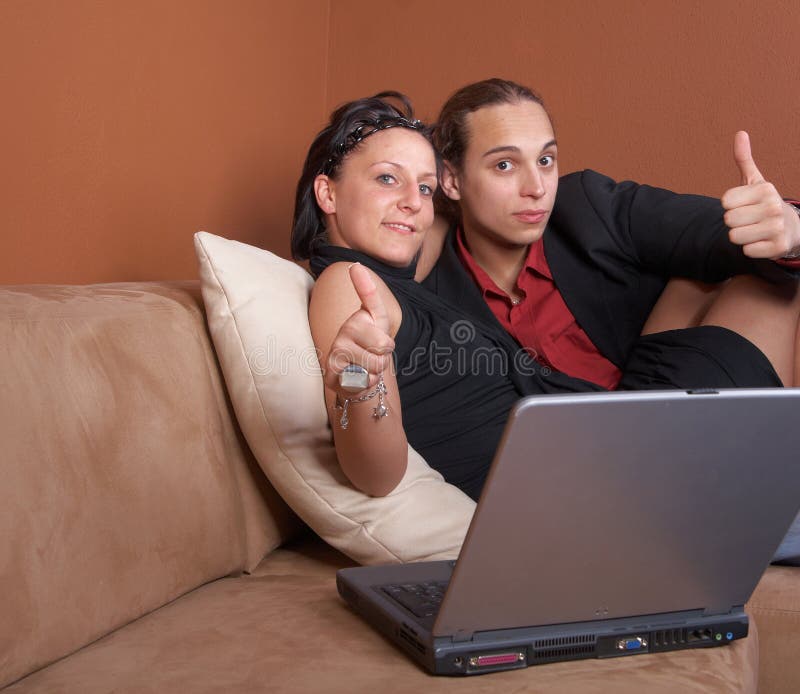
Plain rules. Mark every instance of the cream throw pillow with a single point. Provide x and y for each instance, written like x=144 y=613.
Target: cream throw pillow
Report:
x=257 y=311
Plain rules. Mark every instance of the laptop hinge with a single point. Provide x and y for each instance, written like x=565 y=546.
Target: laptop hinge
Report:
x=462 y=635
x=715 y=610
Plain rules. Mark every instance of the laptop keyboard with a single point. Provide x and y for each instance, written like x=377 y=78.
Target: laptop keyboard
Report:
x=421 y=599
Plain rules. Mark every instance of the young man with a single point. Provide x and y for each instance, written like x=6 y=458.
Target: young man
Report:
x=573 y=267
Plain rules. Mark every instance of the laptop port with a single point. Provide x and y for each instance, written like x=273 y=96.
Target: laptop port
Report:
x=700 y=635
x=632 y=644
x=496 y=659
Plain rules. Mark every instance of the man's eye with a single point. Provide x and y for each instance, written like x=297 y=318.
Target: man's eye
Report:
x=547 y=160
x=504 y=165
x=425 y=189
x=388 y=179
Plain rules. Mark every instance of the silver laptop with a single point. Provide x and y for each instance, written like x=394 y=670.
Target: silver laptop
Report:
x=610 y=525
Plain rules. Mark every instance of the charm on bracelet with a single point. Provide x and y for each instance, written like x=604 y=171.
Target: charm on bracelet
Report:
x=380 y=410
x=354 y=378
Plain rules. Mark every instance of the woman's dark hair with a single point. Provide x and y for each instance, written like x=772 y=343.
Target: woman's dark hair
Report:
x=450 y=135
x=349 y=125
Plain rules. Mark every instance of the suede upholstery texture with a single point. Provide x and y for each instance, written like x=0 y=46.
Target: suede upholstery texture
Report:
x=775 y=605
x=125 y=484
x=143 y=550
x=284 y=630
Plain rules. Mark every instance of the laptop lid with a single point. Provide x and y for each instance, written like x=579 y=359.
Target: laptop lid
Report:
x=604 y=506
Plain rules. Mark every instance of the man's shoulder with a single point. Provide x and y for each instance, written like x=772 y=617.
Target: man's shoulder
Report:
x=590 y=182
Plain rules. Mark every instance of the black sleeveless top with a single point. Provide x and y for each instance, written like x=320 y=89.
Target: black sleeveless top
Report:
x=458 y=377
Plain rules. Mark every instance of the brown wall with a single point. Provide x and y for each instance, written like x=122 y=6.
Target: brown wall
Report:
x=651 y=90
x=128 y=125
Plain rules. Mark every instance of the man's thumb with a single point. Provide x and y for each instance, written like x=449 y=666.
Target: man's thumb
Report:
x=744 y=159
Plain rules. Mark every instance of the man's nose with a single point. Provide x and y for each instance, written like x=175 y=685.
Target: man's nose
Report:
x=533 y=184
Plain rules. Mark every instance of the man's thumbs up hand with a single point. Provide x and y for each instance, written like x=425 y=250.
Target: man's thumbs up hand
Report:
x=758 y=218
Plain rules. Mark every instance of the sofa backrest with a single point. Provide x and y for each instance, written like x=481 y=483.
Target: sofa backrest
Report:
x=124 y=480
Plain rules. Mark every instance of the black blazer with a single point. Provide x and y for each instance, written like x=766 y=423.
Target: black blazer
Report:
x=612 y=247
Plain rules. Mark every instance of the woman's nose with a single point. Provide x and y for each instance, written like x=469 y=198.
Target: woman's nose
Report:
x=412 y=199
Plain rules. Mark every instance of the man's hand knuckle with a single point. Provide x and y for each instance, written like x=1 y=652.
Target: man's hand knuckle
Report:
x=775 y=207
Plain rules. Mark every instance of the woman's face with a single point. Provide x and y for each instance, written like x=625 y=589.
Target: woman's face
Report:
x=507 y=184
x=381 y=203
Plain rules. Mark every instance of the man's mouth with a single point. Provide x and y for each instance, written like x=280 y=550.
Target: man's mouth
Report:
x=530 y=216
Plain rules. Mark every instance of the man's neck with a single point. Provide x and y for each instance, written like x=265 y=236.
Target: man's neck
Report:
x=502 y=263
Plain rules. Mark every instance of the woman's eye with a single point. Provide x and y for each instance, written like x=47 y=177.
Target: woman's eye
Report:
x=425 y=189
x=547 y=160
x=504 y=165
x=387 y=179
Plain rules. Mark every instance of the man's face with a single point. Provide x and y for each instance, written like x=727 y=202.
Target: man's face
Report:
x=507 y=183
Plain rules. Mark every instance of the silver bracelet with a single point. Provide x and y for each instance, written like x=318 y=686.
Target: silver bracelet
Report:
x=380 y=410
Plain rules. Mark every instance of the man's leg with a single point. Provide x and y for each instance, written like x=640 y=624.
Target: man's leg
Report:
x=682 y=304
x=766 y=314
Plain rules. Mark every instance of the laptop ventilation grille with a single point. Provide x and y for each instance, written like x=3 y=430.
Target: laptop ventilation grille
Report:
x=564 y=647
x=565 y=641
x=564 y=652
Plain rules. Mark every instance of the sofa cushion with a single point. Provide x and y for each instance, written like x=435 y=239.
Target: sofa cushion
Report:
x=285 y=629
x=124 y=484
x=775 y=604
x=257 y=308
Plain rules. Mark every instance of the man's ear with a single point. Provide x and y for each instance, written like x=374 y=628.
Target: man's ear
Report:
x=325 y=194
x=450 y=181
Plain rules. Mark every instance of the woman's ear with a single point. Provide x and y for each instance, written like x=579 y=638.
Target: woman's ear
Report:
x=450 y=182
x=324 y=192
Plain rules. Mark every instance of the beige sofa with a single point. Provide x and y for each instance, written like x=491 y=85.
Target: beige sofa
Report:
x=143 y=550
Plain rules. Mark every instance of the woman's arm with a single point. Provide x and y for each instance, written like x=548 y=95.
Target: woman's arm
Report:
x=354 y=318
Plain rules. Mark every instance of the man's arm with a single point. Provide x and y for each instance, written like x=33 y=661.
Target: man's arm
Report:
x=431 y=247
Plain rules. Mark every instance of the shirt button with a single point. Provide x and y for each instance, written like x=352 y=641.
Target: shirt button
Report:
x=515 y=302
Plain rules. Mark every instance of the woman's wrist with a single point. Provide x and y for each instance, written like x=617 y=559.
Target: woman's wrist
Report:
x=380 y=410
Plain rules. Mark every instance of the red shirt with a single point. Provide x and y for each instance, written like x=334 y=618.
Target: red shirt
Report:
x=541 y=321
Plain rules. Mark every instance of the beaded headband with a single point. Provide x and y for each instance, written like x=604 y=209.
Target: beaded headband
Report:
x=366 y=128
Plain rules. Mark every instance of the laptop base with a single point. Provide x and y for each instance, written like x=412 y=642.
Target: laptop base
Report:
x=471 y=659
x=512 y=649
